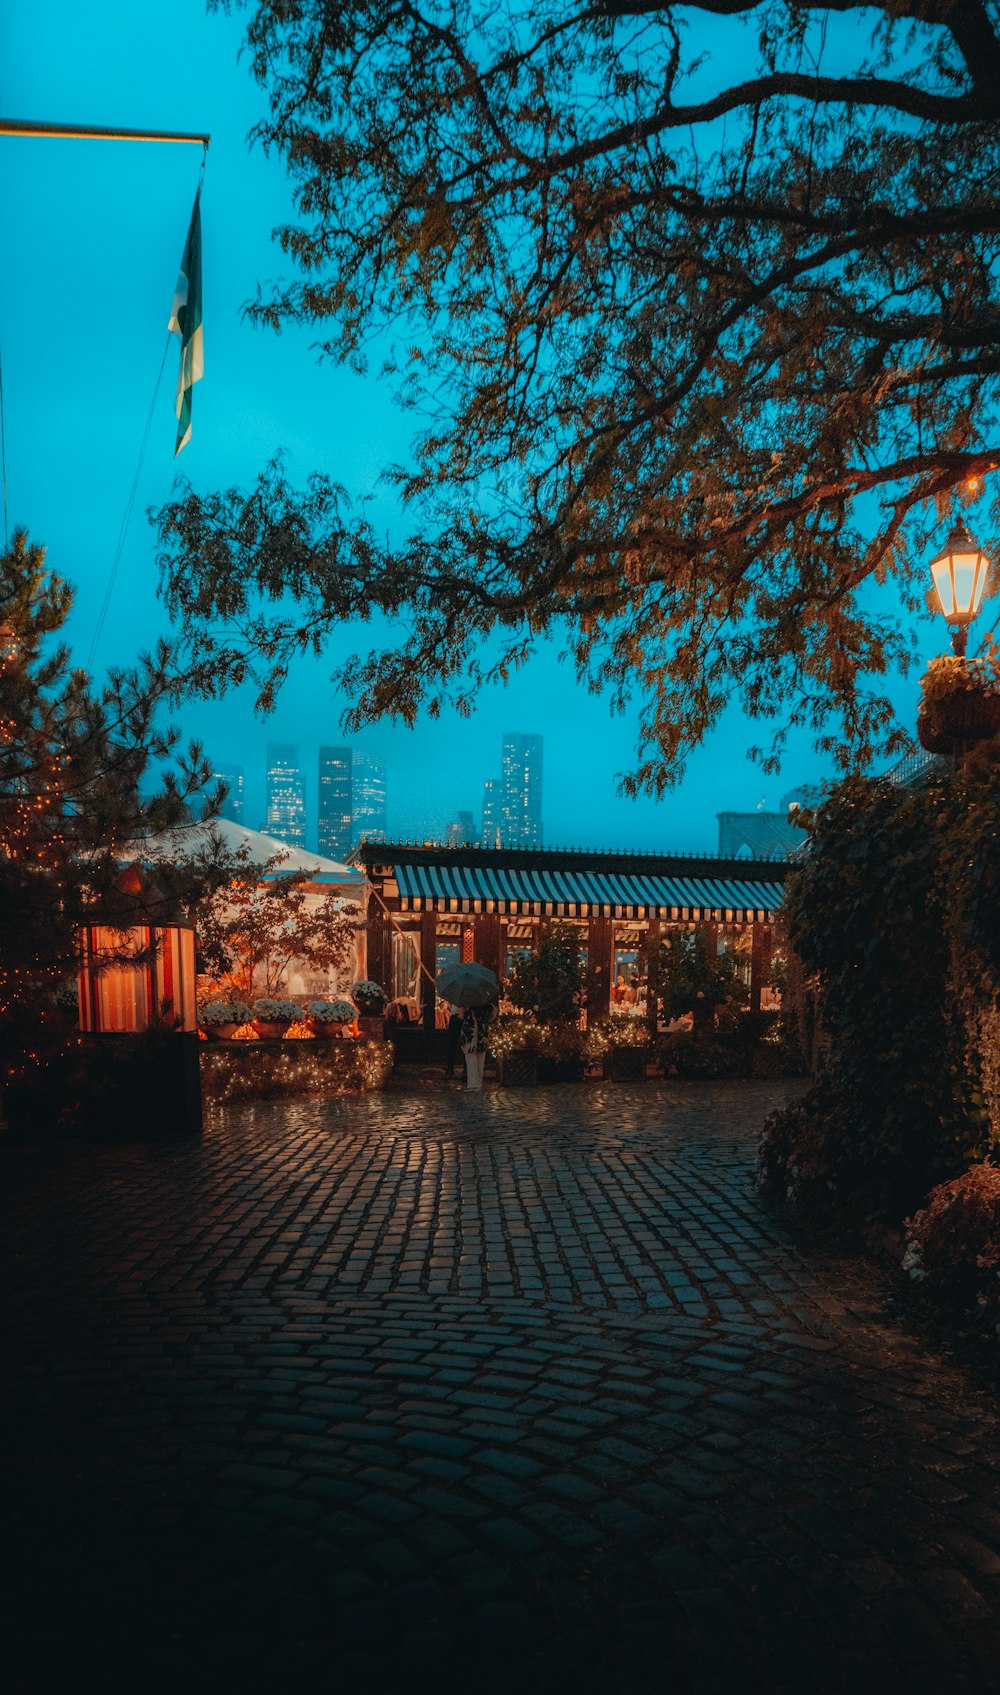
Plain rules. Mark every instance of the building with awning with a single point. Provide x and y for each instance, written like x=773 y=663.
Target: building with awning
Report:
x=429 y=905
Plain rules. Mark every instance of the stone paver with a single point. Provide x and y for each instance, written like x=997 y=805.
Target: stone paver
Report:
x=522 y=1391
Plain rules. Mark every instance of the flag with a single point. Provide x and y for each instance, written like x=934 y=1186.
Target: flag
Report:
x=185 y=321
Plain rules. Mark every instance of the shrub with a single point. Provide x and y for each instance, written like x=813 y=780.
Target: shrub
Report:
x=550 y=982
x=275 y=1012
x=562 y=1043
x=953 y=1243
x=618 y=1030
x=508 y=1034
x=332 y=1012
x=226 y=1012
x=684 y=977
x=686 y=1054
x=775 y=1059
x=793 y=1157
x=754 y=1027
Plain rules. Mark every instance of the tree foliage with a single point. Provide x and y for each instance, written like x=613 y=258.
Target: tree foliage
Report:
x=253 y=927
x=696 y=308
x=550 y=981
x=684 y=977
x=72 y=760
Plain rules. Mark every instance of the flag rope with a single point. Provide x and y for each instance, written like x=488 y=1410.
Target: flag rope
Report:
x=129 y=508
x=3 y=459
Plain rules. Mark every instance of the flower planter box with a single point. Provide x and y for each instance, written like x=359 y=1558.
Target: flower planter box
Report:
x=518 y=1069
x=560 y=1070
x=220 y=1032
x=270 y=1070
x=951 y=723
x=372 y=1026
x=625 y=1065
x=267 y=1031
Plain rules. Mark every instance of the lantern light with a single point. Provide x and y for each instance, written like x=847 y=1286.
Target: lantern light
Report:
x=959 y=575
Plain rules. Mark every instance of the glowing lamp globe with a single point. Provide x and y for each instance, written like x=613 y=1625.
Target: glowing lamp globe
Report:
x=959 y=575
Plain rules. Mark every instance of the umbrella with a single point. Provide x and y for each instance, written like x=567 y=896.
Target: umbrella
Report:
x=468 y=985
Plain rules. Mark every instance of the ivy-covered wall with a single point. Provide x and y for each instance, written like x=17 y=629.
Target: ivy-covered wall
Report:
x=896 y=914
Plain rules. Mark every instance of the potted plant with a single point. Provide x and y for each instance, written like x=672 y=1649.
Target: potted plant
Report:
x=562 y=1054
x=548 y=985
x=369 y=999
x=332 y=1018
x=959 y=704
x=514 y=1041
x=222 y=1019
x=626 y=1045
x=272 y=1017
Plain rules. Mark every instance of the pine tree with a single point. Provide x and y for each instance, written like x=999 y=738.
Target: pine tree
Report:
x=72 y=759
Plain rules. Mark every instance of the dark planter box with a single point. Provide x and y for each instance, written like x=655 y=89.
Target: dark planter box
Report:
x=625 y=1065
x=245 y=1071
x=518 y=1069
x=560 y=1070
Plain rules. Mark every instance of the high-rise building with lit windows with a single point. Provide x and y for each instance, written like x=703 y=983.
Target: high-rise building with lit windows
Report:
x=336 y=802
x=368 y=797
x=521 y=803
x=492 y=807
x=286 y=794
x=232 y=776
x=461 y=832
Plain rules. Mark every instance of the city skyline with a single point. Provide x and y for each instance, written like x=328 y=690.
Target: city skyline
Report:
x=439 y=811
x=351 y=798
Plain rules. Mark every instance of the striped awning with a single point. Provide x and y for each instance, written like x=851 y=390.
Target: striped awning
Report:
x=551 y=893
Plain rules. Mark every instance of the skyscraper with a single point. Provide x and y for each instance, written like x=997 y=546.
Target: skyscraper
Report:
x=368 y=797
x=492 y=800
x=461 y=832
x=521 y=804
x=232 y=776
x=286 y=794
x=336 y=802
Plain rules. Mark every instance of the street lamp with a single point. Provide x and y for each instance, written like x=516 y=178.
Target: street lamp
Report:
x=959 y=580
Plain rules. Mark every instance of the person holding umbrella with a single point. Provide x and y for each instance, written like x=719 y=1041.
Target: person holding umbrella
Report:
x=474 y=988
x=474 y=1042
x=455 y=1021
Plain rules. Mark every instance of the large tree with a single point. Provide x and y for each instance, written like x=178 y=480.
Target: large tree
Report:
x=698 y=309
x=85 y=773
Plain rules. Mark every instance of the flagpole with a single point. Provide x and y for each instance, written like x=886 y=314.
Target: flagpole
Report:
x=95 y=132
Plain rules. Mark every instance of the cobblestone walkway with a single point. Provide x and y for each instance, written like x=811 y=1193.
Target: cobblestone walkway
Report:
x=525 y=1392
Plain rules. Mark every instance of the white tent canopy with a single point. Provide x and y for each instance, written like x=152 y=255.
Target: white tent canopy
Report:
x=190 y=839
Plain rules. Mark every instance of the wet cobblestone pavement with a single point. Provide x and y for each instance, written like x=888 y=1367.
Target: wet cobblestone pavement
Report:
x=520 y=1392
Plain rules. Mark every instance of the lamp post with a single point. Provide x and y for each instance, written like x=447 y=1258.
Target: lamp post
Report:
x=959 y=575
x=959 y=703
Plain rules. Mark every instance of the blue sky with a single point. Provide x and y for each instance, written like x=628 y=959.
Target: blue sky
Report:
x=94 y=232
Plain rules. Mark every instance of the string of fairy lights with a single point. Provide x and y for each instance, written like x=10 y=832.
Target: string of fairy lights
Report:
x=234 y=1071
